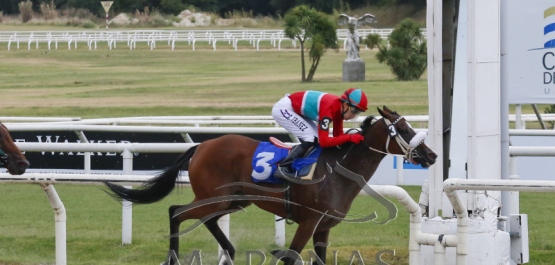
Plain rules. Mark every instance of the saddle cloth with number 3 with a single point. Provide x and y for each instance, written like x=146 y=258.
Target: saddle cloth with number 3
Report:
x=266 y=158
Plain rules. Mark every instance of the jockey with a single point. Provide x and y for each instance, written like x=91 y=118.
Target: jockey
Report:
x=309 y=114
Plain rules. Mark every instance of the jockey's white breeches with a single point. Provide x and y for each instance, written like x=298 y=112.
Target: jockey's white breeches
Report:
x=296 y=124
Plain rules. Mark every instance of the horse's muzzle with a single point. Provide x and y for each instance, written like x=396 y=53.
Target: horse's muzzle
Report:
x=18 y=167
x=426 y=160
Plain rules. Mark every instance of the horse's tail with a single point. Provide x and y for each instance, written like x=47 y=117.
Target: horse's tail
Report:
x=156 y=188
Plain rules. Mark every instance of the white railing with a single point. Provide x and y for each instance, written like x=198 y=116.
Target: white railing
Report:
x=151 y=37
x=221 y=120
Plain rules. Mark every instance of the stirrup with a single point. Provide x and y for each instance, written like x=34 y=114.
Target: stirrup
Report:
x=280 y=173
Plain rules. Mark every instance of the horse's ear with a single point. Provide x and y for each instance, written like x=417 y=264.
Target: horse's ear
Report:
x=381 y=112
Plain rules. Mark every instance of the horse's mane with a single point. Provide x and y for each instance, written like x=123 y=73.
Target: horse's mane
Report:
x=367 y=123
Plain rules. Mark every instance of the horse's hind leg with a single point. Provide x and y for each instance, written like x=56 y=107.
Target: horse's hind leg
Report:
x=173 y=254
x=216 y=231
x=175 y=222
x=219 y=235
x=209 y=214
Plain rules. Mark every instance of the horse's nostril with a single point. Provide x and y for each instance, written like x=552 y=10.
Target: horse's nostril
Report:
x=23 y=164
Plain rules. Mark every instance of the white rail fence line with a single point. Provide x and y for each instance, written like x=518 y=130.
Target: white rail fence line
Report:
x=217 y=120
x=80 y=127
x=150 y=37
x=143 y=129
x=184 y=131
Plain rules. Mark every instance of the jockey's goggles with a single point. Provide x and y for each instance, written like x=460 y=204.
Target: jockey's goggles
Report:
x=354 y=110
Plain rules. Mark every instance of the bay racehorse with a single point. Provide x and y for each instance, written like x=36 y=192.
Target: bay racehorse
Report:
x=220 y=174
x=10 y=156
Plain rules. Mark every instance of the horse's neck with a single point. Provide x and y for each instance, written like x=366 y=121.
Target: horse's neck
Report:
x=357 y=159
x=358 y=164
x=363 y=161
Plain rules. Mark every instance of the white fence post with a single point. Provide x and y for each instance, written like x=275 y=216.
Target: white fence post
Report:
x=280 y=231
x=399 y=165
x=60 y=226
x=127 y=207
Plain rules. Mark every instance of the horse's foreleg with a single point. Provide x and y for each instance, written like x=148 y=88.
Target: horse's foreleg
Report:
x=302 y=235
x=219 y=235
x=320 y=240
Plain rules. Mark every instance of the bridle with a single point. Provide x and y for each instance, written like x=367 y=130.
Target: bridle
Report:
x=3 y=158
x=408 y=149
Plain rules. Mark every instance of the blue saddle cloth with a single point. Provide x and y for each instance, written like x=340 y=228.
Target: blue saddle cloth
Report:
x=265 y=159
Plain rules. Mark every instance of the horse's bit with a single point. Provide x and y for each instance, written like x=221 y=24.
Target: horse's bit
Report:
x=409 y=149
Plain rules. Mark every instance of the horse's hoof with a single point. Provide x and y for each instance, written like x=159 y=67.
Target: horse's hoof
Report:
x=280 y=253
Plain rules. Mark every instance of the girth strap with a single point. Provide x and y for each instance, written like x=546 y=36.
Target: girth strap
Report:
x=287 y=204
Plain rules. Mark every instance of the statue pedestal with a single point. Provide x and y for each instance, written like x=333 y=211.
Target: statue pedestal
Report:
x=354 y=70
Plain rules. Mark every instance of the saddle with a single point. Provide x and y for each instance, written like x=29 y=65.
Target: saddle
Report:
x=304 y=166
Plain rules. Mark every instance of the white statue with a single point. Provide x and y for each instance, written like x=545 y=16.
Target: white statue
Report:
x=353 y=40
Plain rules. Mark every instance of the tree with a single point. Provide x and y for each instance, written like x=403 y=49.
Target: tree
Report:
x=373 y=40
x=172 y=6
x=407 y=55
x=307 y=24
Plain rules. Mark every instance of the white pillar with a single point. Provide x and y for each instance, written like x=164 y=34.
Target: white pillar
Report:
x=484 y=78
x=483 y=89
x=459 y=127
x=435 y=84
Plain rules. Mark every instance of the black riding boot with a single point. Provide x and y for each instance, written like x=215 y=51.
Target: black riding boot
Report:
x=285 y=170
